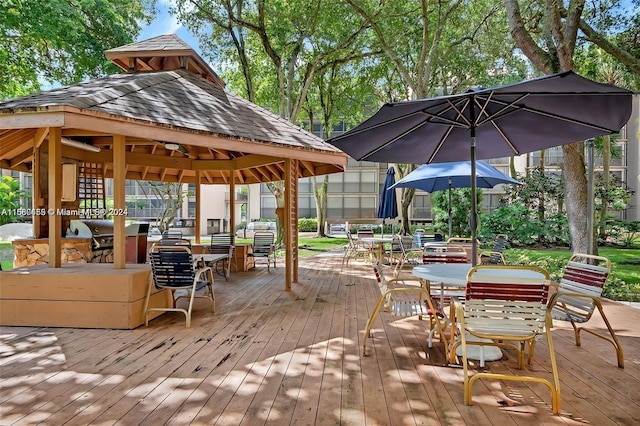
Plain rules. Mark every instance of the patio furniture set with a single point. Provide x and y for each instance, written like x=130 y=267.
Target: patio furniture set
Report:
x=478 y=311
x=175 y=267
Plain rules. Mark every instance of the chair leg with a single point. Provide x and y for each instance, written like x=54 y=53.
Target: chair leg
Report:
x=145 y=310
x=372 y=317
x=614 y=339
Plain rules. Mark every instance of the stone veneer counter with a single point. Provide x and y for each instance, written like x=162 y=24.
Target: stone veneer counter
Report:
x=29 y=252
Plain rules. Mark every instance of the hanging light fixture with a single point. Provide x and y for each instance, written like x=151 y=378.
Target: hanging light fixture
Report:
x=172 y=146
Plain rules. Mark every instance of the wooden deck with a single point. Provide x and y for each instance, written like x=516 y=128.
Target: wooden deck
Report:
x=271 y=357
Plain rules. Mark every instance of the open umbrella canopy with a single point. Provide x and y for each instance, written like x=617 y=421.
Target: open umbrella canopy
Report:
x=441 y=176
x=502 y=121
x=508 y=120
x=444 y=176
x=388 y=205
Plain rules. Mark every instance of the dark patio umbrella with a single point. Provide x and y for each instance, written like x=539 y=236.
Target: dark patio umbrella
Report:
x=489 y=123
x=444 y=176
x=388 y=205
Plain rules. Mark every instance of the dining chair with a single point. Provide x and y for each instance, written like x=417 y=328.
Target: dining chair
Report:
x=399 y=301
x=578 y=294
x=354 y=250
x=465 y=243
x=173 y=268
x=263 y=248
x=223 y=243
x=494 y=256
x=506 y=306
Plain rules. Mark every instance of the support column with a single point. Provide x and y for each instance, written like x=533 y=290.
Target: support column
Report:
x=198 y=229
x=55 y=197
x=119 y=206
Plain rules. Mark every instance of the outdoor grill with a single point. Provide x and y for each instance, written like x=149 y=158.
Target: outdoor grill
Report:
x=99 y=230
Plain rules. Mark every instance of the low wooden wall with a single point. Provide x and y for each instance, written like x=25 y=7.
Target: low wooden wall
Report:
x=78 y=295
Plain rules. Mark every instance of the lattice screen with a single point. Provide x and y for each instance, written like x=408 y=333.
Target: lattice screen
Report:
x=91 y=191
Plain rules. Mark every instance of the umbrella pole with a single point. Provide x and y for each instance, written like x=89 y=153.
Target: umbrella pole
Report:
x=450 y=222
x=474 y=201
x=590 y=196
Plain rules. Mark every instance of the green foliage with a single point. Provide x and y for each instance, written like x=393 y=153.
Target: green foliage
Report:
x=59 y=41
x=522 y=226
x=10 y=195
x=460 y=207
x=307 y=224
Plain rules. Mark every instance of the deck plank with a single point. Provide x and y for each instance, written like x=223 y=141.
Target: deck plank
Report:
x=267 y=356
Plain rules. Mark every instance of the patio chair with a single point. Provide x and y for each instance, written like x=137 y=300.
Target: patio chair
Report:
x=578 y=295
x=465 y=243
x=494 y=256
x=173 y=268
x=402 y=254
x=506 y=306
x=441 y=295
x=400 y=302
x=263 y=248
x=223 y=243
x=354 y=249
x=175 y=242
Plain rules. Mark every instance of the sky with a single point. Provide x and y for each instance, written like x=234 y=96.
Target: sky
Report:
x=164 y=23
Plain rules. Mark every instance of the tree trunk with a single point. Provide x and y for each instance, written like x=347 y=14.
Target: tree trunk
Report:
x=576 y=195
x=320 y=195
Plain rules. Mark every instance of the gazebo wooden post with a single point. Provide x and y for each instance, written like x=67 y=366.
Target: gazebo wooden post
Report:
x=55 y=197
x=232 y=202
x=198 y=203
x=291 y=221
x=119 y=218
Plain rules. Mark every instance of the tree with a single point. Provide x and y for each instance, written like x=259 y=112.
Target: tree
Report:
x=275 y=50
x=170 y=195
x=548 y=35
x=440 y=47
x=10 y=197
x=62 y=41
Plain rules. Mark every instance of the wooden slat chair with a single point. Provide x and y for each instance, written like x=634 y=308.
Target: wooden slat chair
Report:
x=506 y=306
x=173 y=268
x=494 y=256
x=578 y=295
x=264 y=248
x=223 y=243
x=400 y=302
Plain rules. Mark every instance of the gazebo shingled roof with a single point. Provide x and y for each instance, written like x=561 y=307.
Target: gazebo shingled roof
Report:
x=169 y=94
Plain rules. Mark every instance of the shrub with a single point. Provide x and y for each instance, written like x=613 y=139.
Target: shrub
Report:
x=307 y=224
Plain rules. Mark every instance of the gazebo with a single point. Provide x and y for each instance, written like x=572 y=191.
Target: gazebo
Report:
x=167 y=118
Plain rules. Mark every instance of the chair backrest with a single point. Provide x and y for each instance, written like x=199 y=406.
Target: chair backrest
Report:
x=500 y=244
x=583 y=274
x=507 y=298
x=175 y=242
x=365 y=233
x=380 y=277
x=263 y=242
x=221 y=243
x=172 y=266
x=172 y=233
x=466 y=243
x=443 y=253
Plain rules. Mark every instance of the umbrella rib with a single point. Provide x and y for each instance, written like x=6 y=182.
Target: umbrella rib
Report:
x=440 y=144
x=384 y=145
x=515 y=108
